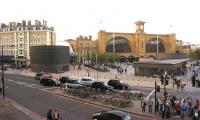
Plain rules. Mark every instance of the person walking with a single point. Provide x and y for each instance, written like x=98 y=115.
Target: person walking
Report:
x=150 y=104
x=143 y=105
x=183 y=108
x=167 y=110
x=49 y=115
x=56 y=115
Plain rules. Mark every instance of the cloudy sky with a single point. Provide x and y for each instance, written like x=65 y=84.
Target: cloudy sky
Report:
x=72 y=18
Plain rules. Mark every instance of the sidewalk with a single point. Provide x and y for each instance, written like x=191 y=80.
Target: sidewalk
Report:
x=10 y=110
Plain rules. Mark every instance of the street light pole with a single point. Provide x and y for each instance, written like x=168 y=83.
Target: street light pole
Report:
x=97 y=65
x=2 y=72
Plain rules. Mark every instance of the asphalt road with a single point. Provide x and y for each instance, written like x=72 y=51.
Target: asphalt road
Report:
x=29 y=93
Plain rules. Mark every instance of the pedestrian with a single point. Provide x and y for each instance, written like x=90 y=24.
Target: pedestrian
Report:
x=55 y=115
x=157 y=105
x=50 y=115
x=167 y=110
x=150 y=104
x=125 y=71
x=178 y=107
x=143 y=105
x=162 y=109
x=183 y=107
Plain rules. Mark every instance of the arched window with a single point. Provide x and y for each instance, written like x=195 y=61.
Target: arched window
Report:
x=118 y=45
x=151 y=46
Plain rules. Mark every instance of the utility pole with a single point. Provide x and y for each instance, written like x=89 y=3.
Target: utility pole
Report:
x=2 y=77
x=155 y=103
x=97 y=65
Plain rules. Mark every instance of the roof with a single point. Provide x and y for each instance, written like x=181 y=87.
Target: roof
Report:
x=166 y=61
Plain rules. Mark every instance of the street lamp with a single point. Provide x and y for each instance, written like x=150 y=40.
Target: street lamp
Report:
x=2 y=72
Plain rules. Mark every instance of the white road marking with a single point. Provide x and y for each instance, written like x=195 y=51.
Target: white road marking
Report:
x=34 y=84
x=45 y=90
x=21 y=83
x=10 y=80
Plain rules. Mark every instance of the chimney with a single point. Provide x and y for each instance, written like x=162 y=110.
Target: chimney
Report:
x=23 y=23
x=19 y=24
x=39 y=23
x=3 y=25
x=36 y=22
x=29 y=22
x=90 y=37
x=45 y=23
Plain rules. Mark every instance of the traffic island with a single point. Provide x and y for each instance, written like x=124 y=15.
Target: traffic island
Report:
x=128 y=109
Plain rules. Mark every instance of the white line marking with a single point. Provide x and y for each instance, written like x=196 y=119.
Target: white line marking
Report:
x=21 y=83
x=45 y=90
x=10 y=80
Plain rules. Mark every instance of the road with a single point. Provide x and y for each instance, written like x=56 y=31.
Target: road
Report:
x=29 y=93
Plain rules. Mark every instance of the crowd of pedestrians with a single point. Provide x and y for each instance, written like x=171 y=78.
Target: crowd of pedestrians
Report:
x=173 y=106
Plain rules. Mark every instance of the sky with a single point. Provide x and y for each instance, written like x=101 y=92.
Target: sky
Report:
x=72 y=18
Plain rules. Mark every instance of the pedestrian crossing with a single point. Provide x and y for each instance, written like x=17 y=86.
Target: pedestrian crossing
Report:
x=34 y=86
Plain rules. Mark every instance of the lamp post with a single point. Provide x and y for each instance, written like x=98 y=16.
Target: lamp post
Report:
x=97 y=65
x=2 y=72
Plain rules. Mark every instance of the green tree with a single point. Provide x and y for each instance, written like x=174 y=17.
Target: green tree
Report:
x=195 y=55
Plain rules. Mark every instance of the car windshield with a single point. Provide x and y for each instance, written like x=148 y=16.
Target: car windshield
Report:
x=105 y=84
x=84 y=79
x=39 y=74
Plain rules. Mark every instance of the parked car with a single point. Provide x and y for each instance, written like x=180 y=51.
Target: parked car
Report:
x=49 y=81
x=64 y=79
x=99 y=85
x=111 y=115
x=5 y=67
x=86 y=81
x=73 y=83
x=117 y=84
x=38 y=76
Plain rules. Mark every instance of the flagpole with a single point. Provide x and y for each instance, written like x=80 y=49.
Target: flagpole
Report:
x=97 y=65
x=114 y=47
x=157 y=43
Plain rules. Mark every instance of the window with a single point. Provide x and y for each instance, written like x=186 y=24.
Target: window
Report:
x=20 y=52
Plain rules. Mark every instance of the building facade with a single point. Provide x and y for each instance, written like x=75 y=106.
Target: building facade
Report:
x=138 y=44
x=82 y=46
x=131 y=45
x=17 y=38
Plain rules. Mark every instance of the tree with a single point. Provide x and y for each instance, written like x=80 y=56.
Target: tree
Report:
x=195 y=55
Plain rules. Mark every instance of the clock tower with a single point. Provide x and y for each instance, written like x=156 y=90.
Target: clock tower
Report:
x=139 y=26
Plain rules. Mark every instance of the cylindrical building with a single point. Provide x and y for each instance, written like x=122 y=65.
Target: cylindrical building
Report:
x=52 y=59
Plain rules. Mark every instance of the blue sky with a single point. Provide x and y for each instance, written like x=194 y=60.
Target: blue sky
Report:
x=72 y=18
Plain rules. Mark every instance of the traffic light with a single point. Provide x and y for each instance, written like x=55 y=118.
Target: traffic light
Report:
x=198 y=83
x=162 y=79
x=193 y=81
x=158 y=88
x=166 y=82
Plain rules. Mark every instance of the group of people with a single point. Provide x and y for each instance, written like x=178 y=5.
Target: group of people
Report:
x=53 y=115
x=183 y=106
x=121 y=70
x=148 y=102
x=173 y=105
